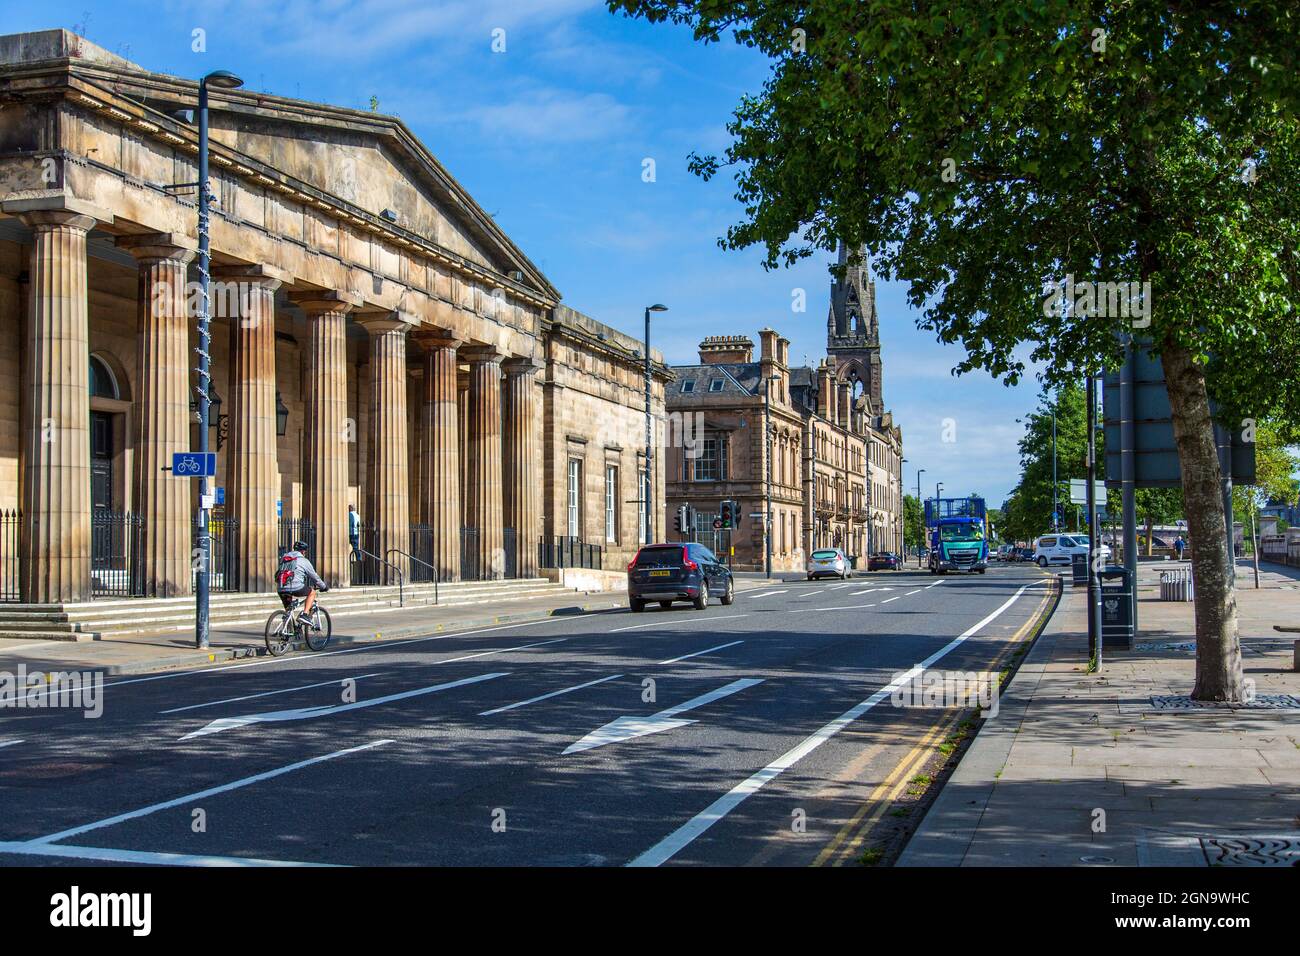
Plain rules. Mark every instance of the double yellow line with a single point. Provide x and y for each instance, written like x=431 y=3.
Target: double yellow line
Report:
x=842 y=848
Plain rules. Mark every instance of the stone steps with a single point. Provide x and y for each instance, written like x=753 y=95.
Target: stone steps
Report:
x=116 y=618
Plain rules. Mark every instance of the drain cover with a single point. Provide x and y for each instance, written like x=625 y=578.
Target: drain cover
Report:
x=1262 y=702
x=1252 y=851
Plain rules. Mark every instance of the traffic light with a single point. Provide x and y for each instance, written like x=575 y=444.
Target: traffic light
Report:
x=682 y=520
x=728 y=514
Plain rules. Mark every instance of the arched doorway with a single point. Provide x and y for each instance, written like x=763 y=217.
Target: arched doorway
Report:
x=103 y=443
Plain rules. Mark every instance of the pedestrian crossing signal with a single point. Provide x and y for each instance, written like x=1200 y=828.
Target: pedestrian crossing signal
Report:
x=681 y=520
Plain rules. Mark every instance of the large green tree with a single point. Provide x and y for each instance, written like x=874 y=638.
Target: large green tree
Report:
x=983 y=150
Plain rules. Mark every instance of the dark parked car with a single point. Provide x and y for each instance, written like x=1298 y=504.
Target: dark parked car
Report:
x=883 y=561
x=677 y=572
x=1024 y=554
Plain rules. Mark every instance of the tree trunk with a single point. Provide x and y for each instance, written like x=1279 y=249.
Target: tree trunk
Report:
x=1218 y=652
x=1150 y=531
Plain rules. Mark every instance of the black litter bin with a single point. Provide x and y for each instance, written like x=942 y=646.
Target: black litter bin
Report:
x=1116 y=607
x=853 y=562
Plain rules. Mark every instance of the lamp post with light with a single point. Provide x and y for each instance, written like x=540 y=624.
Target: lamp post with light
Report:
x=647 y=492
x=225 y=80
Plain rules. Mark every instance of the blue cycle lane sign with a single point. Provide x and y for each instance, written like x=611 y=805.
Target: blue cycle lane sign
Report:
x=193 y=464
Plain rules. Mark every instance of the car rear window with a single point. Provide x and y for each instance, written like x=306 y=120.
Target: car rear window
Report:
x=659 y=558
x=825 y=554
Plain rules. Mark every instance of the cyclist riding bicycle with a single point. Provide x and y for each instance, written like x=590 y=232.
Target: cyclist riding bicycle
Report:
x=297 y=578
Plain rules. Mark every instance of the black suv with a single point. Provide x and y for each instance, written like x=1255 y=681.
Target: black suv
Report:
x=677 y=572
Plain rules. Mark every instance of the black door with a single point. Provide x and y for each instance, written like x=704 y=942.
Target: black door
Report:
x=101 y=460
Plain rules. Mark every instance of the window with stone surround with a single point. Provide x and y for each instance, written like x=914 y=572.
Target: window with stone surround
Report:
x=711 y=462
x=611 y=503
x=575 y=498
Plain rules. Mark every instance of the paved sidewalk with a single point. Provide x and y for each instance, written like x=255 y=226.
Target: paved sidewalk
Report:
x=1080 y=769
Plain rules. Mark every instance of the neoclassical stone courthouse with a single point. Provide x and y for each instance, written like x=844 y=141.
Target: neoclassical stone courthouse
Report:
x=377 y=341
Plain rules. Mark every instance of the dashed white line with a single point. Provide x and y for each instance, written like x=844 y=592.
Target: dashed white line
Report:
x=683 y=836
x=9 y=743
x=111 y=855
x=680 y=620
x=554 y=693
x=269 y=693
x=894 y=598
x=707 y=650
x=848 y=607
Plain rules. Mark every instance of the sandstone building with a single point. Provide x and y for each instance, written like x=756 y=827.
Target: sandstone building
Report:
x=378 y=340
x=834 y=454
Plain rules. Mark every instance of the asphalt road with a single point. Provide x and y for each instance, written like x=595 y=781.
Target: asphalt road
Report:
x=739 y=735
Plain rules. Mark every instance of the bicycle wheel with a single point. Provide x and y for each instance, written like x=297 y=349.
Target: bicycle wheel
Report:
x=319 y=636
x=277 y=640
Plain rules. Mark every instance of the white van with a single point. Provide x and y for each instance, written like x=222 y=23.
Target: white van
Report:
x=1060 y=549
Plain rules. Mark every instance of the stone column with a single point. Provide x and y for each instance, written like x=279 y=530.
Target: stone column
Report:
x=329 y=432
x=388 y=486
x=54 y=545
x=522 y=471
x=162 y=413
x=483 y=500
x=252 y=472
x=441 y=429
x=462 y=418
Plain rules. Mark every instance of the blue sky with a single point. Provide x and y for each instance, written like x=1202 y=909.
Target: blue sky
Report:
x=551 y=136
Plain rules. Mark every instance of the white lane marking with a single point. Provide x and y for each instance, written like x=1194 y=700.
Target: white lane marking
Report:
x=675 y=842
x=708 y=650
x=554 y=693
x=9 y=743
x=811 y=593
x=369 y=646
x=269 y=693
x=836 y=587
x=750 y=597
x=626 y=728
x=848 y=607
x=870 y=590
x=934 y=585
x=110 y=855
x=917 y=591
x=894 y=598
x=308 y=713
x=202 y=794
x=680 y=620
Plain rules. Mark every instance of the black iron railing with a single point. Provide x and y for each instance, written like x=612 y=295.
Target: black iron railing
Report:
x=224 y=575
x=421 y=555
x=10 y=565
x=566 y=552
x=114 y=538
x=297 y=529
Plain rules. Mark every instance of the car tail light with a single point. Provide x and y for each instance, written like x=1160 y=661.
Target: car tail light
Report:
x=632 y=566
x=687 y=563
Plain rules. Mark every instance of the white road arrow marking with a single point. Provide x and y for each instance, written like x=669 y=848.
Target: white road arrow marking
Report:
x=306 y=713
x=626 y=728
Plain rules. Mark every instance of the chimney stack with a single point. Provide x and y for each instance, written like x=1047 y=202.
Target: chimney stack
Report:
x=726 y=350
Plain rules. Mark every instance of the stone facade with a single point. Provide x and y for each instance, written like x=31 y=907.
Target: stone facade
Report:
x=835 y=458
x=377 y=340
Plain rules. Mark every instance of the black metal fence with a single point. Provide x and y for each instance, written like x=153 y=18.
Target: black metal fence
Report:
x=562 y=551
x=10 y=566
x=297 y=529
x=510 y=554
x=224 y=574
x=421 y=570
x=114 y=538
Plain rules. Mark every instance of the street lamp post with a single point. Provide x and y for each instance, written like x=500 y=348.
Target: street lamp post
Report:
x=647 y=492
x=921 y=540
x=202 y=623
x=1055 y=506
x=767 y=473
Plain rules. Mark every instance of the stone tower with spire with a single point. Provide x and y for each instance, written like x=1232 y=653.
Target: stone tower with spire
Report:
x=852 y=330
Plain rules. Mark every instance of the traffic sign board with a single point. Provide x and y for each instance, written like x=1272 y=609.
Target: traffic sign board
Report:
x=1079 y=491
x=193 y=464
x=717 y=524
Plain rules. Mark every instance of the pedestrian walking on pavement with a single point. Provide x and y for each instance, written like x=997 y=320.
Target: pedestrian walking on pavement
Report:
x=354 y=531
x=1180 y=545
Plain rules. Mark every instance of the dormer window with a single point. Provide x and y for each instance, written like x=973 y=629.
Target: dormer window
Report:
x=715 y=385
x=688 y=386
